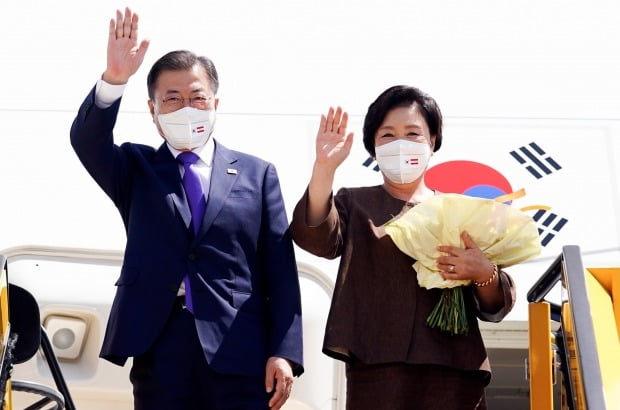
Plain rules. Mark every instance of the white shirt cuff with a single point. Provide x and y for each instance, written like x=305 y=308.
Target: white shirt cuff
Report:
x=106 y=94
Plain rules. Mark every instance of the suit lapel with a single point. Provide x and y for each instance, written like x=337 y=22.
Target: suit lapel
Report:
x=222 y=179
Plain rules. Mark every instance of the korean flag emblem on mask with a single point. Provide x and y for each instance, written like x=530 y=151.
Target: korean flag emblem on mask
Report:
x=403 y=161
x=187 y=128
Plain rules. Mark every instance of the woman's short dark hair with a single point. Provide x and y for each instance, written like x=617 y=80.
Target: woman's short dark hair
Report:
x=396 y=97
x=181 y=60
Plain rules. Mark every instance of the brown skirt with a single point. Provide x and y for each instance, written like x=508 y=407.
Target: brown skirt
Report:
x=402 y=386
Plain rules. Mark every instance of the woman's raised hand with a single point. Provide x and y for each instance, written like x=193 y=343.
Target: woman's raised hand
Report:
x=332 y=143
x=125 y=54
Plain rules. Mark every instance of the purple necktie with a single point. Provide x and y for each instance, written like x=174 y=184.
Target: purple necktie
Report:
x=197 y=204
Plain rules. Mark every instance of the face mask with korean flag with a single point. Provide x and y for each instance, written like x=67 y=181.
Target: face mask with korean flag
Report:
x=403 y=161
x=187 y=128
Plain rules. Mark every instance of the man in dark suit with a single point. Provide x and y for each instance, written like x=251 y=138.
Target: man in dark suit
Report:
x=208 y=299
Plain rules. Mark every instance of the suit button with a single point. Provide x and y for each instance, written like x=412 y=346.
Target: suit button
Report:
x=191 y=256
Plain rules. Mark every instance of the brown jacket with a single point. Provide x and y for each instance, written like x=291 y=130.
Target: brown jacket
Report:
x=378 y=311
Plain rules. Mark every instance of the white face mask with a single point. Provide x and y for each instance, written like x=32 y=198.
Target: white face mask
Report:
x=403 y=161
x=187 y=128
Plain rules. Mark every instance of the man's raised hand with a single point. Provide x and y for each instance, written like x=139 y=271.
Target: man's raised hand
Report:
x=125 y=54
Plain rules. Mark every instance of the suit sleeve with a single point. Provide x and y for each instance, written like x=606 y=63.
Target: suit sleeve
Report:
x=282 y=281
x=93 y=142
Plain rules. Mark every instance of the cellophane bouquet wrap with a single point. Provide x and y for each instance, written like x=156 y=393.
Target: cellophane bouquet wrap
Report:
x=505 y=235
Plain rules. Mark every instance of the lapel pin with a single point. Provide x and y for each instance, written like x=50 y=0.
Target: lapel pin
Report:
x=231 y=171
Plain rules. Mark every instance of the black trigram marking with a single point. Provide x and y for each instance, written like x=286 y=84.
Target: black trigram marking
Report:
x=369 y=162
x=535 y=160
x=549 y=224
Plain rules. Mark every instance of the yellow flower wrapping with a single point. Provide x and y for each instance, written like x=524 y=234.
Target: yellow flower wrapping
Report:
x=505 y=235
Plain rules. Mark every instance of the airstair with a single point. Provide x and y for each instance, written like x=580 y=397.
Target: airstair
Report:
x=575 y=345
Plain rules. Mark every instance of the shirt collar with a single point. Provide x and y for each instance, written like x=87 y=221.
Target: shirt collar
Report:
x=205 y=152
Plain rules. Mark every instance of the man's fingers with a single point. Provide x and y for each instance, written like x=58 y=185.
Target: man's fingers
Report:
x=112 y=30
x=144 y=45
x=277 y=401
x=269 y=380
x=119 y=24
x=281 y=385
x=133 y=34
x=282 y=393
x=127 y=23
x=349 y=142
x=286 y=384
x=279 y=372
x=277 y=395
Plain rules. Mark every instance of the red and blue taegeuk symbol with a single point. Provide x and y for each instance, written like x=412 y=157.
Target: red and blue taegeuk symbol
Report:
x=468 y=178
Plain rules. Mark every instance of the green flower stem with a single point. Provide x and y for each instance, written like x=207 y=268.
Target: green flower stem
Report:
x=448 y=315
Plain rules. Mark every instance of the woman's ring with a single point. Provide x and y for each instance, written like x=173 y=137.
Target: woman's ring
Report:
x=451 y=269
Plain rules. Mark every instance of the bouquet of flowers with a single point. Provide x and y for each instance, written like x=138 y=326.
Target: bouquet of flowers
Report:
x=505 y=235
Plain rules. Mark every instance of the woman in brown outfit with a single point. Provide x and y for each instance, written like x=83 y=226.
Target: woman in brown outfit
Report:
x=377 y=321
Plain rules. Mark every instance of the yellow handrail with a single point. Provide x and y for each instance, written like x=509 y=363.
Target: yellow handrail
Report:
x=603 y=304
x=589 y=332
x=540 y=357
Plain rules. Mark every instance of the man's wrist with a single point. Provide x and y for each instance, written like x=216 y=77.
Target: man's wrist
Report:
x=114 y=79
x=107 y=94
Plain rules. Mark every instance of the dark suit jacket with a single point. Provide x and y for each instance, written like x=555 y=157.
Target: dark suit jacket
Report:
x=241 y=264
